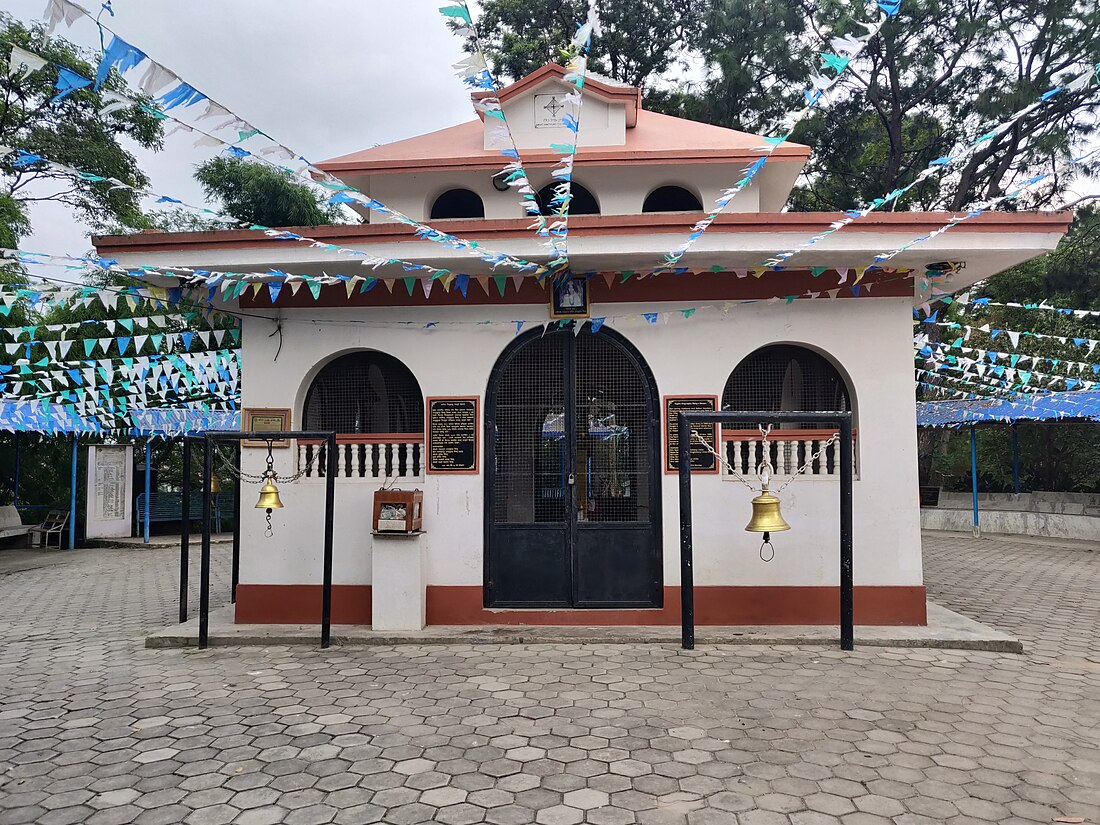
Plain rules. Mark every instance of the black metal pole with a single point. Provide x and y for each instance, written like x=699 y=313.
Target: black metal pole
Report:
x=847 y=590
x=236 y=522
x=687 y=573
x=330 y=499
x=204 y=564
x=185 y=529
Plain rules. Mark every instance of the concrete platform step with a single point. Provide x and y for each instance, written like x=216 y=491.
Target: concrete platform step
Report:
x=946 y=629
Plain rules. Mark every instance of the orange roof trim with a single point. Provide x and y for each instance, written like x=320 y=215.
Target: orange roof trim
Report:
x=649 y=224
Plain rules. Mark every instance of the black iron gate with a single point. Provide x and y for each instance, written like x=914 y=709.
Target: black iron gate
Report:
x=573 y=503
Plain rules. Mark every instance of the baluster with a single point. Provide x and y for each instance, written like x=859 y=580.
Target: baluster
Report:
x=322 y=462
x=418 y=466
x=389 y=460
x=361 y=460
x=402 y=459
x=347 y=459
x=808 y=447
x=781 y=457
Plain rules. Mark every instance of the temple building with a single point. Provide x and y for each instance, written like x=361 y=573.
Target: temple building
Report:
x=534 y=415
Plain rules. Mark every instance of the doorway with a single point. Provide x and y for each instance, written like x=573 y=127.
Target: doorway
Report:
x=572 y=487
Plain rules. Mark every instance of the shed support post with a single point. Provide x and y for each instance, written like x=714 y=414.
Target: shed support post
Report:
x=72 y=496
x=148 y=484
x=1015 y=460
x=18 y=468
x=204 y=553
x=185 y=528
x=974 y=477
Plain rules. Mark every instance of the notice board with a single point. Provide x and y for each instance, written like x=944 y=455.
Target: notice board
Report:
x=453 y=434
x=702 y=460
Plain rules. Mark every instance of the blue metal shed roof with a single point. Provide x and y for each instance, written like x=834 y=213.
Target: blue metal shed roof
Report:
x=1083 y=404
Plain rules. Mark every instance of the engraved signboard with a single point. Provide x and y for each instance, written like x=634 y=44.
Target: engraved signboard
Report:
x=702 y=460
x=109 y=490
x=453 y=435
x=549 y=110
x=110 y=484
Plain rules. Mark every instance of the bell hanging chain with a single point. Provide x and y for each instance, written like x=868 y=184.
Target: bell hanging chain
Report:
x=233 y=471
x=729 y=467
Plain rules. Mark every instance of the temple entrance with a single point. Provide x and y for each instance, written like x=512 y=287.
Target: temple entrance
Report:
x=573 y=503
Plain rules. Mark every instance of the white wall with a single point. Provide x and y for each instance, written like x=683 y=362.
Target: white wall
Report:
x=617 y=194
x=869 y=339
x=601 y=123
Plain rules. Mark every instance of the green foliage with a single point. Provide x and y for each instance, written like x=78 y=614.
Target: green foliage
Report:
x=1055 y=457
x=72 y=133
x=641 y=38
x=261 y=194
x=1067 y=277
x=939 y=75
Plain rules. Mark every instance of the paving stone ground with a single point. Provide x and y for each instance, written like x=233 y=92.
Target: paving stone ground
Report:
x=96 y=729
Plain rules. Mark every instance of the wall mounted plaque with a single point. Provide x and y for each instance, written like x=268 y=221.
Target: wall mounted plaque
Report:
x=702 y=460
x=453 y=434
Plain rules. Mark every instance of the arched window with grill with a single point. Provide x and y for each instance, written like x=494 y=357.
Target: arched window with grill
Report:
x=581 y=201
x=785 y=378
x=457 y=203
x=374 y=404
x=672 y=199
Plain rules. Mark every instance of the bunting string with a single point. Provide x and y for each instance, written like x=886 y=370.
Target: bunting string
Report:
x=930 y=348
x=965 y=301
x=983 y=207
x=157 y=77
x=576 y=69
x=844 y=51
x=476 y=75
x=1014 y=336
x=937 y=166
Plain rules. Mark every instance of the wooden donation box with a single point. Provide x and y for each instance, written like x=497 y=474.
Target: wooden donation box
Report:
x=398 y=511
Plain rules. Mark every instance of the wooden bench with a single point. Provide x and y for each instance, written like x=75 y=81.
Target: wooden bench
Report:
x=169 y=506
x=11 y=524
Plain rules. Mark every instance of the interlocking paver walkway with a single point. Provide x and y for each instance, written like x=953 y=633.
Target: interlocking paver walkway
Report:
x=96 y=729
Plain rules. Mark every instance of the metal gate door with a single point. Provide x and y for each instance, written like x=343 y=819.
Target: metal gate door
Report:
x=572 y=483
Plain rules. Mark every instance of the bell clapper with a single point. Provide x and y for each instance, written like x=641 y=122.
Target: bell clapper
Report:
x=767 y=544
x=269 y=493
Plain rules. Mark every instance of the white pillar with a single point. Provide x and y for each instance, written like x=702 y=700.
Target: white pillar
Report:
x=399 y=579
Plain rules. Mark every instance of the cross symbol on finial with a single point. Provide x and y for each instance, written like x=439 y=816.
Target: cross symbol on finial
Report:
x=554 y=106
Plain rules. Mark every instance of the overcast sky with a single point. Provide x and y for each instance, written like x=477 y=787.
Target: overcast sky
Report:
x=323 y=77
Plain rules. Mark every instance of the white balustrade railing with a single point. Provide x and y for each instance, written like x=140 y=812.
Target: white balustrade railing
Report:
x=787 y=450
x=377 y=458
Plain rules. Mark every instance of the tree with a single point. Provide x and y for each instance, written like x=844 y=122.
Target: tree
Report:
x=257 y=193
x=939 y=75
x=71 y=132
x=641 y=38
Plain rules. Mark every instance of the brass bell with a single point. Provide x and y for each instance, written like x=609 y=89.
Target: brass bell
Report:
x=215 y=485
x=269 y=497
x=766 y=517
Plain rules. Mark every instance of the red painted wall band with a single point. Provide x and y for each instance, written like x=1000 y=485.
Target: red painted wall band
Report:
x=462 y=605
